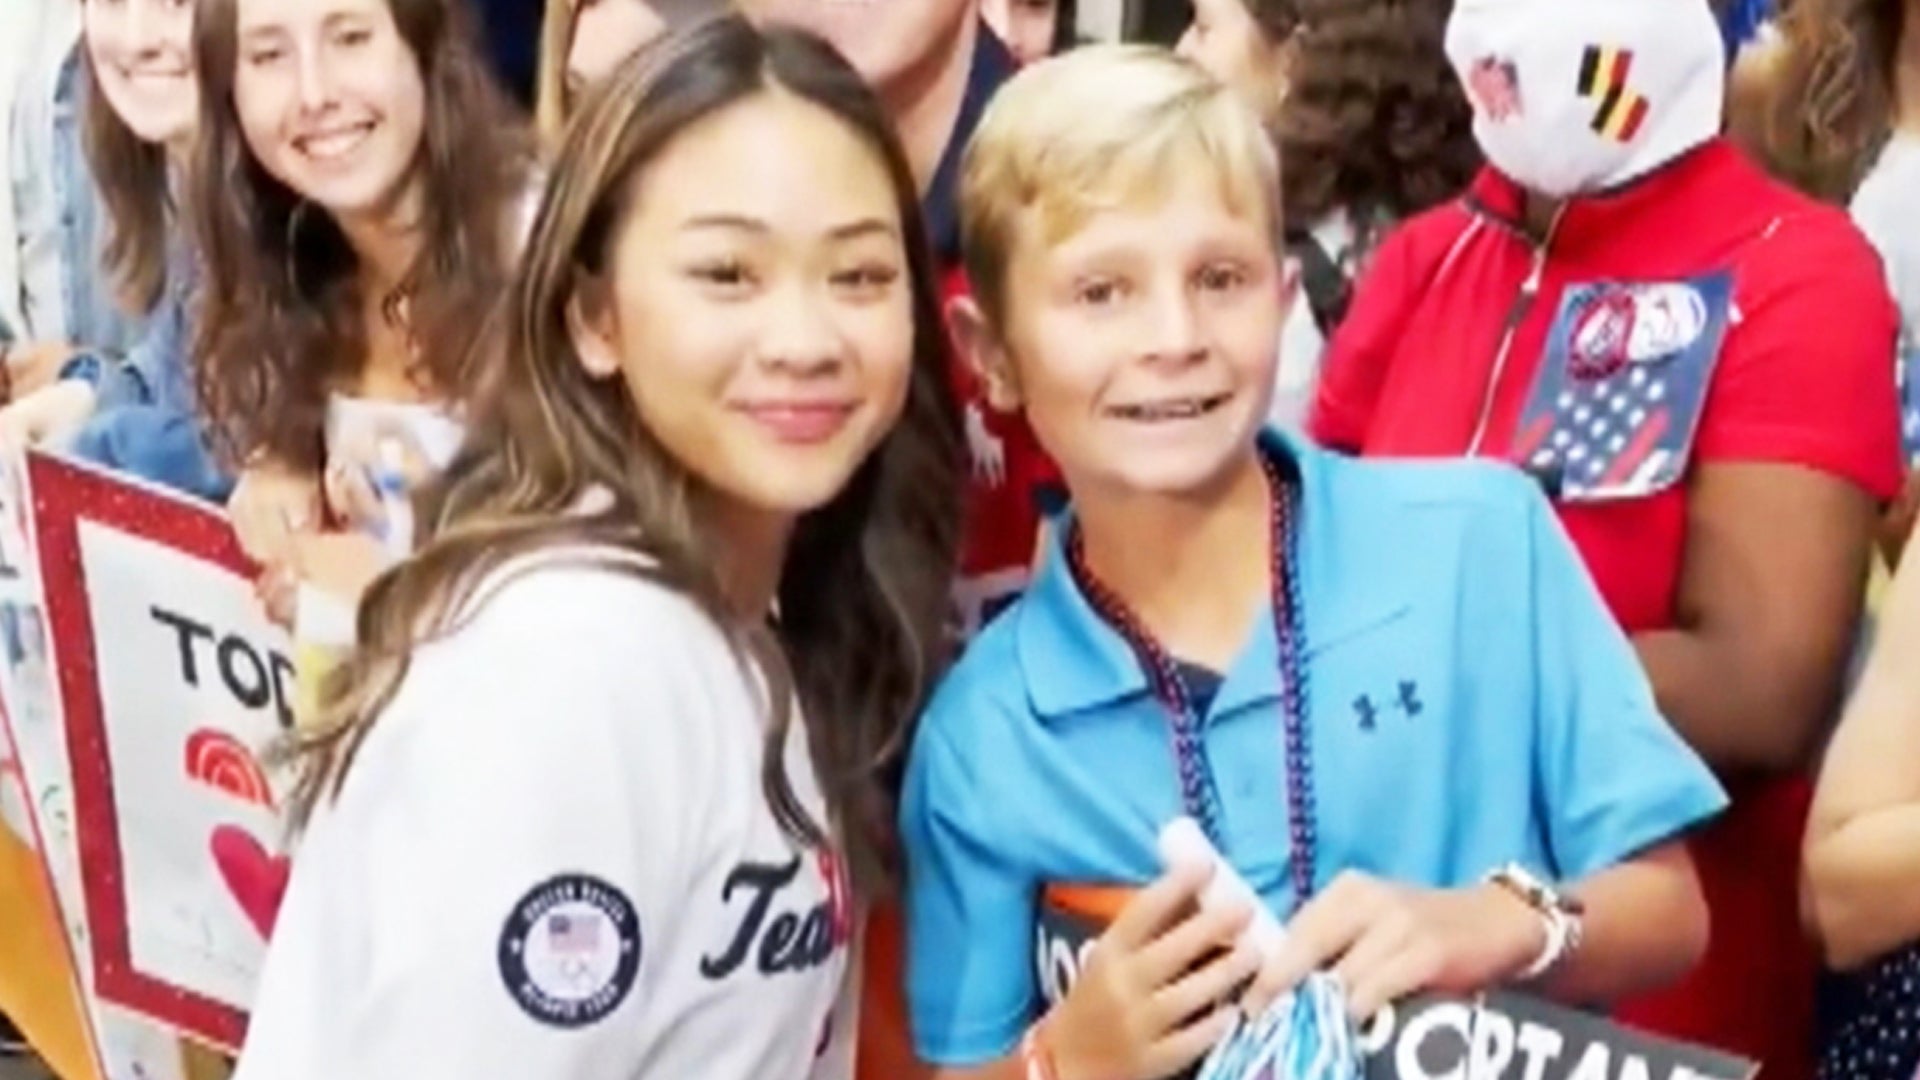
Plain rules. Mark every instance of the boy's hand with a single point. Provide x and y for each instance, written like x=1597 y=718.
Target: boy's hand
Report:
x=1148 y=1002
x=1384 y=941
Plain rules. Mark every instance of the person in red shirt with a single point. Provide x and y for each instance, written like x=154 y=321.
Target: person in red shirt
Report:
x=1697 y=363
x=936 y=65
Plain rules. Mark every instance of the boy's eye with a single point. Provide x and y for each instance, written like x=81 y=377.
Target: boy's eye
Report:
x=1222 y=278
x=1098 y=293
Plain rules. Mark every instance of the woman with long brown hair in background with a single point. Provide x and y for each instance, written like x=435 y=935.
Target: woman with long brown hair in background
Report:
x=1371 y=122
x=358 y=198
x=598 y=792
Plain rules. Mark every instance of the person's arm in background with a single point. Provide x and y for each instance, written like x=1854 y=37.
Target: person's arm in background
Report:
x=1798 y=449
x=1861 y=891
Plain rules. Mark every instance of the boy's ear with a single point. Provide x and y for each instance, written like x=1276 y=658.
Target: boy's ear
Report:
x=590 y=325
x=983 y=349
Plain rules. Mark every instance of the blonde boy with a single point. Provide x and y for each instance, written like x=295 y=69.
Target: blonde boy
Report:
x=1387 y=692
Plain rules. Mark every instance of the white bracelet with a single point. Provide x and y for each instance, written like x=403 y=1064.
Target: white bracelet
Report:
x=1559 y=915
x=1559 y=937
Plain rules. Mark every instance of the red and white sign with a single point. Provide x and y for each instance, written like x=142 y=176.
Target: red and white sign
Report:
x=171 y=683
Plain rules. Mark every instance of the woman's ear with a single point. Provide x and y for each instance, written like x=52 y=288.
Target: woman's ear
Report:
x=591 y=325
x=985 y=352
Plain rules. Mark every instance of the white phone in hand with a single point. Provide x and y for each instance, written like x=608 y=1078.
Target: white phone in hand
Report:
x=1183 y=842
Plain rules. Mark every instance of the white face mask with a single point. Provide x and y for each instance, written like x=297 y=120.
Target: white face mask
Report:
x=1575 y=96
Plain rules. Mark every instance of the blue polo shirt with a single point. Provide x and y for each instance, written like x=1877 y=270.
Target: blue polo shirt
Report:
x=1471 y=703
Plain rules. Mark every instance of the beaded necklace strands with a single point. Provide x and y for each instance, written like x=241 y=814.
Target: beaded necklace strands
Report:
x=1163 y=677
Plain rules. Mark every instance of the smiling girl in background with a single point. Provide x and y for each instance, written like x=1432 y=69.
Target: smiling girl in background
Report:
x=597 y=795
x=356 y=199
x=136 y=413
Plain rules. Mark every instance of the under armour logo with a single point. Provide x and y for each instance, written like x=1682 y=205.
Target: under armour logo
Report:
x=1406 y=701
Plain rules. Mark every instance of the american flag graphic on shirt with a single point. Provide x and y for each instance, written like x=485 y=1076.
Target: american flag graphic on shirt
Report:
x=573 y=933
x=1617 y=401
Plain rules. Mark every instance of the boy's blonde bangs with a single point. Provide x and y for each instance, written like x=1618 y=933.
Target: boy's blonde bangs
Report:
x=1101 y=128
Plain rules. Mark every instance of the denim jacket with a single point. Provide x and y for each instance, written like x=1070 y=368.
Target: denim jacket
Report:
x=53 y=161
x=147 y=420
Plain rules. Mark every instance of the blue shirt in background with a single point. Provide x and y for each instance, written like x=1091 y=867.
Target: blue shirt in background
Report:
x=1472 y=703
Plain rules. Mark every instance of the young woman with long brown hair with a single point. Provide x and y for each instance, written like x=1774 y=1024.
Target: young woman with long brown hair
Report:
x=598 y=792
x=359 y=196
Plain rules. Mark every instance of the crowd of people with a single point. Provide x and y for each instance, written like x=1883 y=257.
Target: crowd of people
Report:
x=823 y=486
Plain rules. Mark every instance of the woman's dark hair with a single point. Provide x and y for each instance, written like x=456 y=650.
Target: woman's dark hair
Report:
x=1374 y=121
x=1825 y=103
x=131 y=176
x=863 y=597
x=283 y=314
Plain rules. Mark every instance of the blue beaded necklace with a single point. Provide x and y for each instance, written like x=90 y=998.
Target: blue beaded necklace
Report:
x=1163 y=678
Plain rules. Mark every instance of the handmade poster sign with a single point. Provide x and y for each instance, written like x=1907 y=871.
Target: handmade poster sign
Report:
x=171 y=683
x=79 y=1035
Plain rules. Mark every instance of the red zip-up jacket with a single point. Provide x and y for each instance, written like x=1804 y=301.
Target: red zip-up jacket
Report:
x=1703 y=313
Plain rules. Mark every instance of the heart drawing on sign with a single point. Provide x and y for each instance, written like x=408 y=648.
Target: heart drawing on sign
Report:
x=255 y=877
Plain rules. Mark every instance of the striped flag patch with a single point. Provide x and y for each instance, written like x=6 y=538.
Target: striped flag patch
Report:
x=1619 y=110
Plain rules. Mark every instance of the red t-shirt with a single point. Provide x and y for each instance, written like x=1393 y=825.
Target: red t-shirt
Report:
x=1705 y=313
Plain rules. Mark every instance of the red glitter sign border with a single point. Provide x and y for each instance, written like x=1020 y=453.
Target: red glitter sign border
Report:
x=63 y=495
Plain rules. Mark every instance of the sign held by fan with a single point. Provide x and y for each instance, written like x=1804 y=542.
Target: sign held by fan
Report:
x=1510 y=1037
x=1496 y=1036
x=172 y=684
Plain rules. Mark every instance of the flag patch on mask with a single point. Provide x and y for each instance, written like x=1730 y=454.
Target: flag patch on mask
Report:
x=1619 y=110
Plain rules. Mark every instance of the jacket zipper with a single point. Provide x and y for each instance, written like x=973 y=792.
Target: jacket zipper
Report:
x=1529 y=291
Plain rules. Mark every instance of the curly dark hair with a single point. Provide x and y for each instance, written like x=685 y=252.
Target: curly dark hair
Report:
x=1827 y=104
x=1374 y=120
